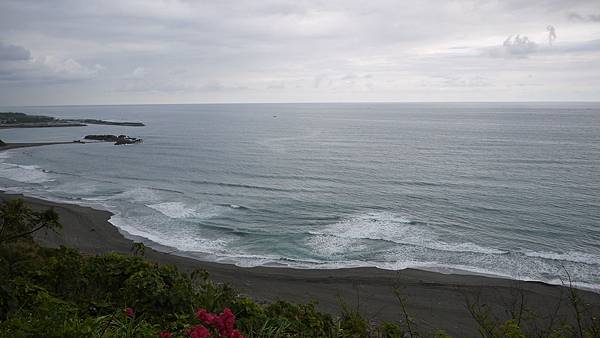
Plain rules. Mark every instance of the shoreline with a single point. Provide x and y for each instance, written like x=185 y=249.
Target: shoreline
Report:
x=9 y=146
x=436 y=300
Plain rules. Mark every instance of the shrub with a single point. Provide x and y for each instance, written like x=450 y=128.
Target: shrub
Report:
x=60 y=293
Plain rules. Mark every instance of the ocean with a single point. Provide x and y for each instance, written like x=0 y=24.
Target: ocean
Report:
x=506 y=189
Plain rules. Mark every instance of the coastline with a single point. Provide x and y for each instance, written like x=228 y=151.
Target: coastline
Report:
x=437 y=300
x=9 y=146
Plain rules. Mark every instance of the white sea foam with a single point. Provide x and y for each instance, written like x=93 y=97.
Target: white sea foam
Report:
x=249 y=260
x=182 y=210
x=96 y=199
x=329 y=245
x=77 y=188
x=24 y=173
x=385 y=226
x=173 y=209
x=184 y=239
x=219 y=249
x=463 y=247
x=570 y=256
x=194 y=243
x=379 y=239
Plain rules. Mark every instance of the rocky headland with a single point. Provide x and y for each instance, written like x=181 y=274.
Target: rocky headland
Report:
x=118 y=140
x=22 y=120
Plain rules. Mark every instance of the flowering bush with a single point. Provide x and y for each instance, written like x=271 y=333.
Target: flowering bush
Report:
x=222 y=325
x=125 y=323
x=199 y=331
x=48 y=292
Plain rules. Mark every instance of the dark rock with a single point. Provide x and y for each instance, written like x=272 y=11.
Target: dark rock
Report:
x=106 y=138
x=118 y=140
x=109 y=123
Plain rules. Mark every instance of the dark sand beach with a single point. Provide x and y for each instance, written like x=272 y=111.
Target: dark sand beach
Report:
x=435 y=300
x=8 y=146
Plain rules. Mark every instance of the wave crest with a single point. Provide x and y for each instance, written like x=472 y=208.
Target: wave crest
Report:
x=24 y=173
x=570 y=256
x=180 y=210
x=388 y=227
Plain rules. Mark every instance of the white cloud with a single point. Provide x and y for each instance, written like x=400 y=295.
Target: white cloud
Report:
x=66 y=69
x=519 y=46
x=19 y=66
x=139 y=73
x=314 y=50
x=584 y=17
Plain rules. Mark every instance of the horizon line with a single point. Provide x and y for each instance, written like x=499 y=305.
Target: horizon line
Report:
x=296 y=102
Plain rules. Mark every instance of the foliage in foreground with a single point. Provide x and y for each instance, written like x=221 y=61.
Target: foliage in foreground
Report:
x=58 y=293
x=61 y=293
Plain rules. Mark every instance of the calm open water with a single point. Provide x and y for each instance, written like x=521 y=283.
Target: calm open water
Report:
x=506 y=189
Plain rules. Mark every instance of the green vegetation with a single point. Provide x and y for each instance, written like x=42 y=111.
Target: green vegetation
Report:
x=11 y=117
x=110 y=123
x=62 y=293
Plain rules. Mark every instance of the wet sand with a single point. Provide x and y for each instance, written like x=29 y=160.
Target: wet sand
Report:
x=434 y=300
x=8 y=146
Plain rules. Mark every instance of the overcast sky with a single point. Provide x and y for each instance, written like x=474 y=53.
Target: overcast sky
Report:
x=111 y=52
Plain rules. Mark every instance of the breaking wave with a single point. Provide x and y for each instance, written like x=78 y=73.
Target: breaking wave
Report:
x=385 y=226
x=182 y=210
x=24 y=173
x=570 y=256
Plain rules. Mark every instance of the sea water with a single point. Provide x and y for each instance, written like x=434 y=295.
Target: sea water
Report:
x=508 y=189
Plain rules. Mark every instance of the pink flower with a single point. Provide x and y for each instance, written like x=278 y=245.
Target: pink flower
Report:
x=129 y=312
x=205 y=316
x=225 y=322
x=165 y=334
x=199 y=331
x=235 y=334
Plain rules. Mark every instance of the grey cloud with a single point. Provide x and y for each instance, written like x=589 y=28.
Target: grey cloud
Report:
x=217 y=86
x=277 y=86
x=519 y=45
x=523 y=49
x=349 y=77
x=514 y=46
x=138 y=73
x=316 y=50
x=461 y=81
x=18 y=65
x=157 y=85
x=13 y=53
x=592 y=46
x=318 y=80
x=584 y=17
x=551 y=34
x=350 y=80
x=154 y=86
